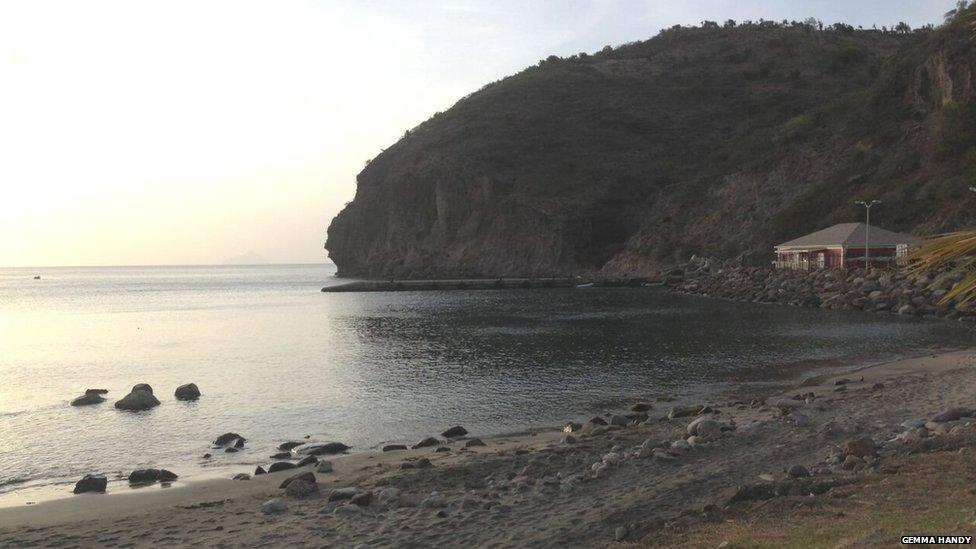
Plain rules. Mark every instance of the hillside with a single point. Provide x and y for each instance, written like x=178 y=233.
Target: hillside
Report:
x=718 y=140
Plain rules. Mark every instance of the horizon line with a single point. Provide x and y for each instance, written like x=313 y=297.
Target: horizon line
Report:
x=268 y=264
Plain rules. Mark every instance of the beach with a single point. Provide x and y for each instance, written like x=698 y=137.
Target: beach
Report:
x=597 y=486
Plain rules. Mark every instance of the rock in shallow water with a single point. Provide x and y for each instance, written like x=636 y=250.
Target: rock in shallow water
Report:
x=324 y=467
x=137 y=401
x=91 y=483
x=144 y=387
x=453 y=432
x=394 y=447
x=323 y=449
x=288 y=446
x=87 y=399
x=190 y=391
x=474 y=442
x=227 y=438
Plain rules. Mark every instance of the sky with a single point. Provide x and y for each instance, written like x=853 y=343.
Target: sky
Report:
x=192 y=132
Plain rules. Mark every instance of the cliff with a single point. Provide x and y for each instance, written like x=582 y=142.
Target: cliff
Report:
x=716 y=141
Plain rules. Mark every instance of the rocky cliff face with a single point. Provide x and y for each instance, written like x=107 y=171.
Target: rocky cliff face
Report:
x=715 y=141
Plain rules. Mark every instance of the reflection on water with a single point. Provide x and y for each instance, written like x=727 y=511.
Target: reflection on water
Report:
x=276 y=359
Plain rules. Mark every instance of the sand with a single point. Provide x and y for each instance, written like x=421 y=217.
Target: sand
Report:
x=530 y=490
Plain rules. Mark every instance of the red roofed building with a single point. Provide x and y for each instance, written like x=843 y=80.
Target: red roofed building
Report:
x=842 y=246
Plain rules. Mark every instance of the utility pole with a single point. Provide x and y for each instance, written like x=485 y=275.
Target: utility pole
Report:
x=867 y=227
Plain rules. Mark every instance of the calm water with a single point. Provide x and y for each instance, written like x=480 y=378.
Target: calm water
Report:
x=276 y=359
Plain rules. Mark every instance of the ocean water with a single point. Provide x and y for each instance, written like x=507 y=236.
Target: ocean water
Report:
x=278 y=360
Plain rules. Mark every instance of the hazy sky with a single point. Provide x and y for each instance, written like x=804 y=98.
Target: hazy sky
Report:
x=170 y=132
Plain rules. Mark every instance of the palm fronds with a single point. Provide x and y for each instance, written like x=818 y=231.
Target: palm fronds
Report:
x=950 y=254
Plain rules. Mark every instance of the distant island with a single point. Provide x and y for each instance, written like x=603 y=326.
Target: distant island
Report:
x=719 y=140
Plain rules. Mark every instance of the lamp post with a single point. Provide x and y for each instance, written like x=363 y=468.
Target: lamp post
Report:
x=867 y=226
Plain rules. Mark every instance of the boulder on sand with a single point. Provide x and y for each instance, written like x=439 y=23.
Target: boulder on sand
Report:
x=861 y=447
x=307 y=477
x=137 y=400
x=287 y=446
x=280 y=466
x=426 y=443
x=91 y=483
x=190 y=391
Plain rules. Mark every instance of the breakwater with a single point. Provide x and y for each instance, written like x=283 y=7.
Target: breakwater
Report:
x=480 y=284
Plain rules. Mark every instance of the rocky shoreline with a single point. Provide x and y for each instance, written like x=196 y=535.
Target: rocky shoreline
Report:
x=623 y=477
x=872 y=290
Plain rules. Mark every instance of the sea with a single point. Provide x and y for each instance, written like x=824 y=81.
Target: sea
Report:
x=277 y=360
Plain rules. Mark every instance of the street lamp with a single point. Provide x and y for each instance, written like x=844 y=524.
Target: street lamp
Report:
x=867 y=225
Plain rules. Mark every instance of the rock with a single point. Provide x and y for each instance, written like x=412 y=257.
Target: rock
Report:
x=239 y=443
x=91 y=483
x=362 y=499
x=310 y=460
x=861 y=447
x=680 y=445
x=640 y=407
x=143 y=476
x=227 y=438
x=288 y=446
x=167 y=476
x=434 y=500
x=208 y=455
x=798 y=471
x=87 y=399
x=682 y=411
x=323 y=449
x=620 y=421
x=852 y=462
x=144 y=387
x=568 y=439
x=913 y=423
x=231 y=450
x=306 y=476
x=442 y=449
x=301 y=488
x=280 y=466
x=137 y=401
x=454 y=432
x=620 y=533
x=347 y=510
x=426 y=443
x=704 y=428
x=259 y=470
x=694 y=441
x=281 y=455
x=394 y=447
x=388 y=495
x=407 y=465
x=906 y=310
x=339 y=494
x=423 y=463
x=190 y=391
x=96 y=391
x=242 y=476
x=662 y=455
x=952 y=414
x=273 y=506
x=597 y=421
x=571 y=427
x=474 y=442
x=324 y=467
x=842 y=381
